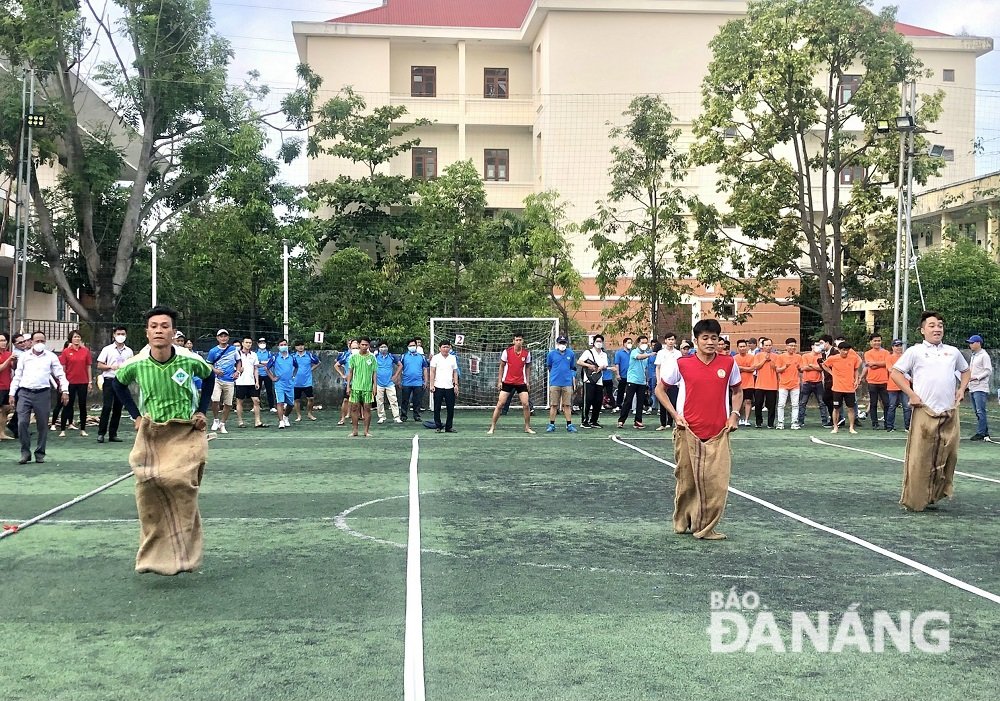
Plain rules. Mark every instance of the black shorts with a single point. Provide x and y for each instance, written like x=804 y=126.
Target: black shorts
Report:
x=246 y=392
x=4 y=396
x=303 y=392
x=513 y=389
x=847 y=398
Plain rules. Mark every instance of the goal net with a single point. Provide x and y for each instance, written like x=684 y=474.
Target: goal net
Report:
x=479 y=343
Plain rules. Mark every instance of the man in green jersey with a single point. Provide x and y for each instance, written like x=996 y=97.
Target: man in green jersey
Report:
x=168 y=458
x=361 y=379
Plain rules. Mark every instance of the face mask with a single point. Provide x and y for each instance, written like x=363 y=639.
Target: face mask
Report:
x=561 y=347
x=643 y=347
x=38 y=347
x=412 y=349
x=383 y=350
x=628 y=346
x=120 y=338
x=355 y=351
x=282 y=349
x=262 y=346
x=598 y=345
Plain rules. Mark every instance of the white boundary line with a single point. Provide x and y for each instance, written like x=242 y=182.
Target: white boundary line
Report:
x=814 y=439
x=413 y=637
x=920 y=567
x=57 y=509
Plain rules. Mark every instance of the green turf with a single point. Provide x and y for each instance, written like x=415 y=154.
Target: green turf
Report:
x=550 y=572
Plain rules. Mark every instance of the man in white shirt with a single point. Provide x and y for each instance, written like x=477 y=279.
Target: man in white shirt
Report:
x=932 y=444
x=109 y=360
x=664 y=357
x=247 y=384
x=980 y=372
x=594 y=362
x=444 y=386
x=33 y=377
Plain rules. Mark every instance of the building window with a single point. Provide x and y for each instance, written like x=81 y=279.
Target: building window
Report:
x=948 y=154
x=497 y=161
x=968 y=230
x=948 y=75
x=60 y=308
x=423 y=81
x=495 y=83
x=848 y=88
x=730 y=133
x=852 y=175
x=425 y=163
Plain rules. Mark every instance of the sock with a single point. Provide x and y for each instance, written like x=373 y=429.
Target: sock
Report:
x=569 y=423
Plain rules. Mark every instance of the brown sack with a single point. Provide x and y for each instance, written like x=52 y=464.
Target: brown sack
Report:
x=168 y=461
x=703 y=470
x=931 y=457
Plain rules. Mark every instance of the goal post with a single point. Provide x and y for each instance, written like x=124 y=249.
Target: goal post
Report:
x=479 y=343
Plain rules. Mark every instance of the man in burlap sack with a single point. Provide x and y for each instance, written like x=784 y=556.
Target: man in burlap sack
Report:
x=708 y=399
x=932 y=444
x=168 y=458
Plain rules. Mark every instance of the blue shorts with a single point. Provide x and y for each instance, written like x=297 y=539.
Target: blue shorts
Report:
x=284 y=393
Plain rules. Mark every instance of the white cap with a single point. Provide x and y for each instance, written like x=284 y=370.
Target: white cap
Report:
x=221 y=331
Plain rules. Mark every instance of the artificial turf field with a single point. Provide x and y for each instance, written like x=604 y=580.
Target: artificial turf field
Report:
x=550 y=570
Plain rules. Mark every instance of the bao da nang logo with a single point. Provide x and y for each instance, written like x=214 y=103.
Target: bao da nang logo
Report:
x=739 y=623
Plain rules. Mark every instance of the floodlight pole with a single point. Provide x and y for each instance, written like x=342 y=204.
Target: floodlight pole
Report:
x=24 y=201
x=908 y=238
x=284 y=258
x=899 y=220
x=153 y=276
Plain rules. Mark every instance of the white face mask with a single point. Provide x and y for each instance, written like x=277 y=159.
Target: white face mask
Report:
x=561 y=347
x=282 y=349
x=120 y=338
x=412 y=349
x=628 y=346
x=643 y=347
x=355 y=351
x=38 y=347
x=598 y=345
x=383 y=350
x=262 y=346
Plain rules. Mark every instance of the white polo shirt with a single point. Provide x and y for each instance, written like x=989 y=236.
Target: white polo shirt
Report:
x=444 y=367
x=934 y=370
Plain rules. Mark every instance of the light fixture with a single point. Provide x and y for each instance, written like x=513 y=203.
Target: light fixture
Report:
x=936 y=151
x=882 y=126
x=905 y=123
x=35 y=120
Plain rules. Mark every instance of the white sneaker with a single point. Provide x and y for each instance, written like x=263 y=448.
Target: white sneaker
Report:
x=288 y=424
x=780 y=427
x=222 y=428
x=215 y=424
x=397 y=420
x=381 y=421
x=274 y=410
x=795 y=427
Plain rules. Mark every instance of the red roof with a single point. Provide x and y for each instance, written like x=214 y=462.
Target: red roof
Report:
x=491 y=14
x=909 y=30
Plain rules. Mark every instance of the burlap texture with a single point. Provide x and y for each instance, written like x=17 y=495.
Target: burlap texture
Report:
x=931 y=457
x=168 y=461
x=703 y=470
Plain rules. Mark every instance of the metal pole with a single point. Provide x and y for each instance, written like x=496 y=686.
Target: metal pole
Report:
x=26 y=218
x=908 y=241
x=152 y=248
x=284 y=258
x=899 y=219
x=16 y=322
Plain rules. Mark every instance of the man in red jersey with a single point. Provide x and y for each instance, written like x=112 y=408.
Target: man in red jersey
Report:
x=513 y=379
x=708 y=397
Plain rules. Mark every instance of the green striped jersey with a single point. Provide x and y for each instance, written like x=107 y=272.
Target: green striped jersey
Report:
x=364 y=366
x=166 y=390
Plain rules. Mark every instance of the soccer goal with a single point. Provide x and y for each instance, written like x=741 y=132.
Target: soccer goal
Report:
x=479 y=343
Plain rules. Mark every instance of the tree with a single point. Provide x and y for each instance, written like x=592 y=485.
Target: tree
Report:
x=791 y=101
x=541 y=255
x=344 y=127
x=168 y=83
x=638 y=230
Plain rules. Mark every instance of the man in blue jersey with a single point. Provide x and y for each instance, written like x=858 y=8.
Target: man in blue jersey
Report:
x=303 y=379
x=263 y=357
x=281 y=368
x=414 y=379
x=621 y=368
x=387 y=371
x=223 y=359
x=636 y=375
x=561 y=362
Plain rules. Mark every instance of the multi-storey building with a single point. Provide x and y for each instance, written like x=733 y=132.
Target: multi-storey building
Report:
x=527 y=89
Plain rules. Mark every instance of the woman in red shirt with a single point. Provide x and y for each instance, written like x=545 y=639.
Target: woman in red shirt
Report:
x=78 y=363
x=6 y=375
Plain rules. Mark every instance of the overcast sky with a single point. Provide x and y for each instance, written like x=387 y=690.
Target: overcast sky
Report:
x=261 y=35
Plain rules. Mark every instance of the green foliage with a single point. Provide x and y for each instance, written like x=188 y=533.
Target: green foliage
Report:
x=963 y=283
x=780 y=131
x=638 y=231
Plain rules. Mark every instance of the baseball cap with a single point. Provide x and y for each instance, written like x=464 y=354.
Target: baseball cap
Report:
x=562 y=339
x=897 y=342
x=975 y=338
x=221 y=331
x=179 y=334
x=261 y=339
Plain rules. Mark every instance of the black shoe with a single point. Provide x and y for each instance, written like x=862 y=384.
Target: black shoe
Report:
x=596 y=425
x=38 y=459
x=890 y=430
x=24 y=460
x=100 y=438
x=585 y=424
x=438 y=430
x=977 y=437
x=828 y=425
x=450 y=430
x=116 y=439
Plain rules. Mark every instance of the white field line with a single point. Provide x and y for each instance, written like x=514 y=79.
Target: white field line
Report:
x=814 y=439
x=920 y=567
x=57 y=509
x=413 y=637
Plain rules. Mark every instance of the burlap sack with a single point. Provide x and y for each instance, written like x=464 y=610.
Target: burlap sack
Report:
x=703 y=470
x=168 y=461
x=931 y=457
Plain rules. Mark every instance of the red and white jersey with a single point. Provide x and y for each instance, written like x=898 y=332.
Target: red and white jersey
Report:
x=703 y=391
x=514 y=362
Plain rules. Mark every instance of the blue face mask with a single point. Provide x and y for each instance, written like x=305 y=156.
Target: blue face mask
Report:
x=412 y=349
x=282 y=349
